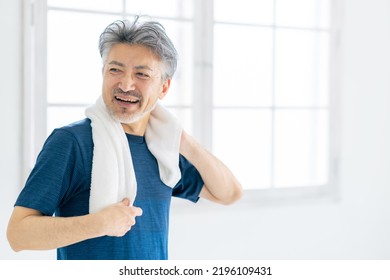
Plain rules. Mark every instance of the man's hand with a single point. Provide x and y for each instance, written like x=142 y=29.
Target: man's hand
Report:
x=117 y=219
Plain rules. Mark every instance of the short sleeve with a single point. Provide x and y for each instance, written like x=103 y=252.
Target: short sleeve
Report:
x=57 y=169
x=191 y=182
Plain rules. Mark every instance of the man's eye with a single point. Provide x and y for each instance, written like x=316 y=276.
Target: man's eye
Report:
x=114 y=70
x=142 y=75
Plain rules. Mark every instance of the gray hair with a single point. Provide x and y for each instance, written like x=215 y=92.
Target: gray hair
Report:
x=150 y=34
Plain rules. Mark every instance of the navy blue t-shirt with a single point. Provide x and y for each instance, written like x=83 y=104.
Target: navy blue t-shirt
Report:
x=60 y=183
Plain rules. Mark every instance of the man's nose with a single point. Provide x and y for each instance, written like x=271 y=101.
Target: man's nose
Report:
x=127 y=83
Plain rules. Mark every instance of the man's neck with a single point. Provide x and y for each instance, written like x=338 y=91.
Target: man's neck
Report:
x=138 y=128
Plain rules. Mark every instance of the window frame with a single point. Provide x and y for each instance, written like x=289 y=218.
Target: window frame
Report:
x=35 y=97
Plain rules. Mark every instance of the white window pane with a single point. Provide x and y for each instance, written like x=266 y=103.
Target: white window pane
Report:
x=244 y=11
x=303 y=13
x=97 y=5
x=247 y=151
x=301 y=148
x=166 y=8
x=60 y=116
x=181 y=34
x=301 y=70
x=73 y=61
x=242 y=66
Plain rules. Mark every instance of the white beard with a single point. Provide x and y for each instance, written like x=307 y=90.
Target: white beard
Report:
x=133 y=118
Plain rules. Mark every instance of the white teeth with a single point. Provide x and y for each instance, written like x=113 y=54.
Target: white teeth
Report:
x=127 y=100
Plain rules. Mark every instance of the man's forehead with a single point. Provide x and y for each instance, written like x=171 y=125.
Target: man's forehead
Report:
x=123 y=51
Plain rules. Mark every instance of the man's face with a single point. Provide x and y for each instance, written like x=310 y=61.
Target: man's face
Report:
x=132 y=82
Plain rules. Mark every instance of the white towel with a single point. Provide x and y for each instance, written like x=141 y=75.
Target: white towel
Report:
x=113 y=176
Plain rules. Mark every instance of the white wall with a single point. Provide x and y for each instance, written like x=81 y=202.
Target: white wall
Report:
x=11 y=83
x=357 y=225
x=354 y=227
x=10 y=92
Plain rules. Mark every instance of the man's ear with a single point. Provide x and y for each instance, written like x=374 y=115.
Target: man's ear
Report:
x=165 y=88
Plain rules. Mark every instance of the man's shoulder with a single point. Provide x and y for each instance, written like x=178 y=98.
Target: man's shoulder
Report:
x=79 y=127
x=81 y=131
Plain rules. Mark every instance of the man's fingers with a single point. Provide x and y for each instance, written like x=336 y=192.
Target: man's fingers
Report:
x=126 y=201
x=137 y=211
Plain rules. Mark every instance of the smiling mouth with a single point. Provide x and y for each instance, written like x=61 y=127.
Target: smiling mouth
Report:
x=129 y=100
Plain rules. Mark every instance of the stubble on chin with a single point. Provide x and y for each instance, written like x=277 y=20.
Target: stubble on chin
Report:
x=125 y=117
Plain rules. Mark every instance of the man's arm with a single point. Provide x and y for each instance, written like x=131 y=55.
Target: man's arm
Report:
x=220 y=185
x=28 y=229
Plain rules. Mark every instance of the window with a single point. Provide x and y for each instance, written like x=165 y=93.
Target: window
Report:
x=253 y=82
x=271 y=86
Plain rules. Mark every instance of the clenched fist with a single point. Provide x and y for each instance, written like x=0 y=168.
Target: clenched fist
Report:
x=117 y=219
